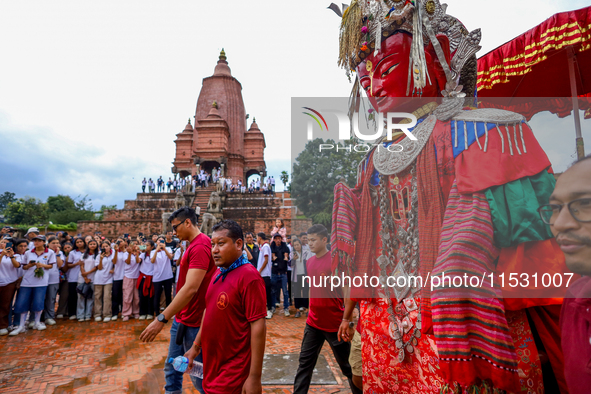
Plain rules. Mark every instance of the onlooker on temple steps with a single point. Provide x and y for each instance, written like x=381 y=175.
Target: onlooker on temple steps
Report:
x=144 y=182
x=196 y=271
x=264 y=268
x=569 y=217
x=131 y=297
x=119 y=261
x=280 y=229
x=85 y=288
x=31 y=295
x=144 y=284
x=279 y=261
x=169 y=184
x=64 y=291
x=324 y=318
x=233 y=361
x=10 y=263
x=103 y=284
x=53 y=282
x=160 y=183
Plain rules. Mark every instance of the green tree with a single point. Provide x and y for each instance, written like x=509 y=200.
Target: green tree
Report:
x=284 y=178
x=6 y=199
x=64 y=209
x=27 y=210
x=316 y=173
x=60 y=203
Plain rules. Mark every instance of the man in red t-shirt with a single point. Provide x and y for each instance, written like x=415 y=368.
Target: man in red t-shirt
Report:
x=324 y=316
x=186 y=309
x=233 y=336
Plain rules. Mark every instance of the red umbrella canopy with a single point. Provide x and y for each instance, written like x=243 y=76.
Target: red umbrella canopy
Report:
x=535 y=64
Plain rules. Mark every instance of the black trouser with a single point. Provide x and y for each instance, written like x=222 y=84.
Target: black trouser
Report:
x=165 y=285
x=72 y=298
x=289 y=292
x=117 y=297
x=146 y=302
x=300 y=295
x=311 y=346
x=268 y=289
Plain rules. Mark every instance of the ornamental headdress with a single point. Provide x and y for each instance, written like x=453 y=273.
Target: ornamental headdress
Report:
x=366 y=23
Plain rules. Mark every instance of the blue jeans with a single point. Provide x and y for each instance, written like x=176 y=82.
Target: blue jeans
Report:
x=30 y=299
x=85 y=306
x=279 y=282
x=174 y=379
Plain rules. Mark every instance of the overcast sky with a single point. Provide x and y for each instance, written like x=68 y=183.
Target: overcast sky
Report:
x=92 y=94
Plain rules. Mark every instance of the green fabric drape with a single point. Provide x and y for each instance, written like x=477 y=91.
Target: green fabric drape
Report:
x=514 y=209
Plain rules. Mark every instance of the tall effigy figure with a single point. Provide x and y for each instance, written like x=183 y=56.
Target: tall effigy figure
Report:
x=462 y=198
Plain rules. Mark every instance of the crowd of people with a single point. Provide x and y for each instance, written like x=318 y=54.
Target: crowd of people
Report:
x=203 y=179
x=47 y=278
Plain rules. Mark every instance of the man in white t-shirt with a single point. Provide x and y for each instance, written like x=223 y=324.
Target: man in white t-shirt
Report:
x=264 y=267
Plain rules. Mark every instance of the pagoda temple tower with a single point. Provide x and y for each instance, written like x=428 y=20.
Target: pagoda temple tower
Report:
x=219 y=136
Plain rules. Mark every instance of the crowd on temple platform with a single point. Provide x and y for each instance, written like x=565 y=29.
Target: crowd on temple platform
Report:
x=203 y=179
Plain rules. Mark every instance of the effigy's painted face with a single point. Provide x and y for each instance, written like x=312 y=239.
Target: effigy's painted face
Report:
x=385 y=76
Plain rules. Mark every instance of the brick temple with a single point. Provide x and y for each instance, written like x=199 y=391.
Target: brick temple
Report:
x=219 y=139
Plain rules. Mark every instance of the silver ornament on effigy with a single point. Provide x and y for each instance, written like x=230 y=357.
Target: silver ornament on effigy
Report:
x=401 y=356
x=399 y=344
x=417 y=333
x=409 y=348
x=418 y=324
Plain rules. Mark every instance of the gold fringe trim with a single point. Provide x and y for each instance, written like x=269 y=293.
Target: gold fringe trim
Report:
x=350 y=34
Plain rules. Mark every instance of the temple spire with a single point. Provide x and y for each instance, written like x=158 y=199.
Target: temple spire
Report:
x=222 y=55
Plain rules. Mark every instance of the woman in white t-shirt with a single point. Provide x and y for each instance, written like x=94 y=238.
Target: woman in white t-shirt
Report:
x=119 y=263
x=162 y=275
x=31 y=296
x=73 y=263
x=145 y=286
x=9 y=274
x=53 y=283
x=103 y=283
x=62 y=309
x=131 y=298
x=88 y=268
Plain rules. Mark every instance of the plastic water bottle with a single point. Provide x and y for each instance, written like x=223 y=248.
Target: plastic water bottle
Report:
x=181 y=364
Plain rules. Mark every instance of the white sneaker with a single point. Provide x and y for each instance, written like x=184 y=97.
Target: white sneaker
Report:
x=286 y=313
x=301 y=309
x=60 y=316
x=87 y=319
x=107 y=319
x=149 y=317
x=31 y=324
x=142 y=317
x=98 y=318
x=40 y=326
x=3 y=332
x=73 y=317
x=269 y=314
x=50 y=322
x=17 y=331
x=114 y=318
x=12 y=328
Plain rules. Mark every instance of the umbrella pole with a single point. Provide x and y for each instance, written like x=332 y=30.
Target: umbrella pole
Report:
x=573 y=91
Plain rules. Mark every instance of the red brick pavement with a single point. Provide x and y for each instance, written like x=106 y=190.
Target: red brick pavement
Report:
x=91 y=357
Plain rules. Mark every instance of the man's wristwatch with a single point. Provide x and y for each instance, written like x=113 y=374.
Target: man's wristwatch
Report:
x=162 y=319
x=351 y=324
